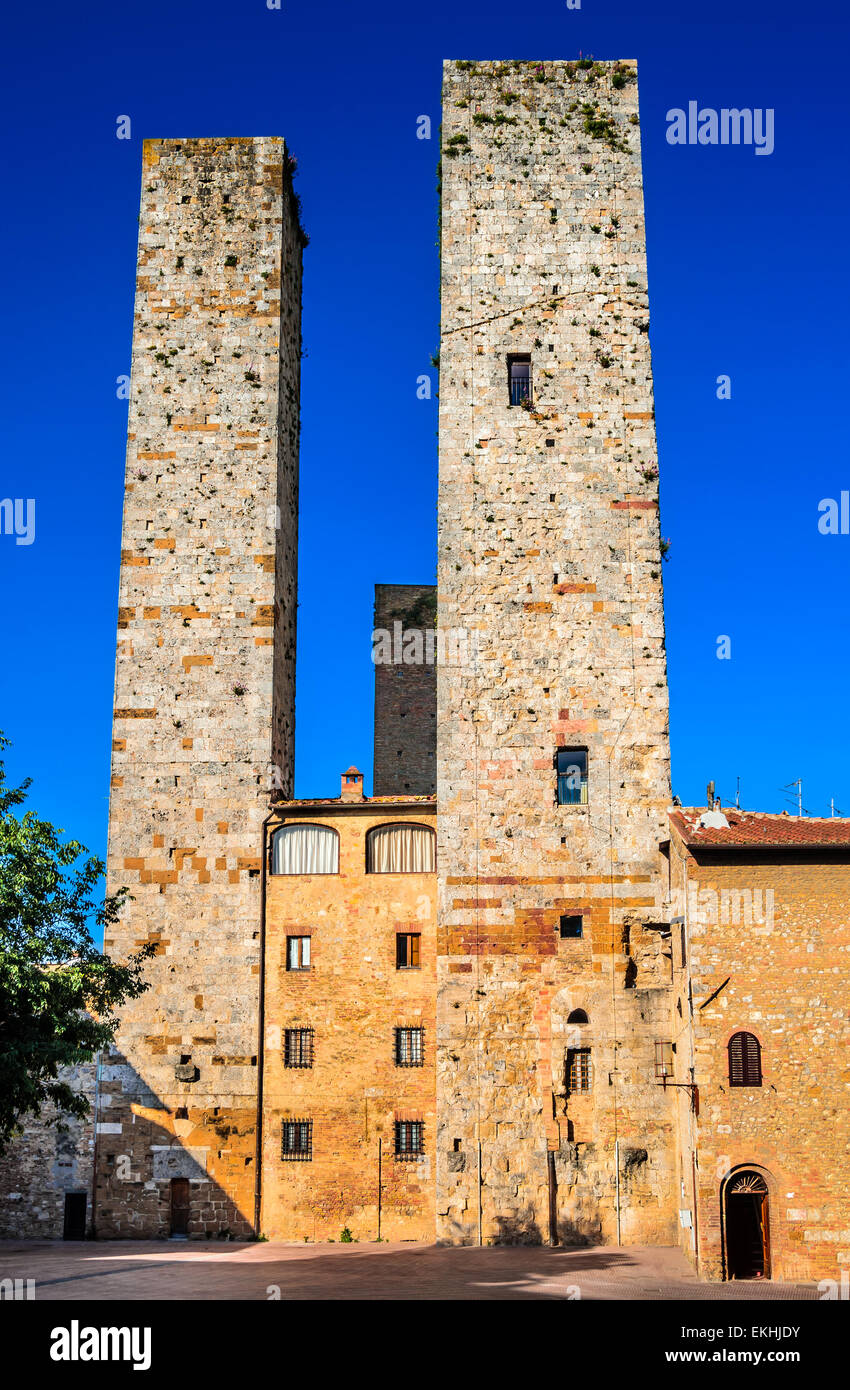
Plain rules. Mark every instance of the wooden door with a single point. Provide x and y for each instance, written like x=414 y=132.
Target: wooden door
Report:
x=179 y=1206
x=74 y=1227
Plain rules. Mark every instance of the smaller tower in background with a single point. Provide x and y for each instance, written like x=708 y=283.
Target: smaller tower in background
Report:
x=405 y=655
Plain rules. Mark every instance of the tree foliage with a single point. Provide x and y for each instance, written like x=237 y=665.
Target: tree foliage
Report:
x=57 y=990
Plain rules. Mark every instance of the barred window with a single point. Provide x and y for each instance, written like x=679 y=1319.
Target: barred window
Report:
x=744 y=1060
x=407 y=950
x=298 y=953
x=663 y=1059
x=578 y=1070
x=409 y=1047
x=296 y=1140
x=298 y=1047
x=409 y=1138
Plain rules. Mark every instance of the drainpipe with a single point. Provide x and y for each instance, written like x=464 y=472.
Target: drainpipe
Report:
x=553 y=1198
x=261 y=1009
x=480 y=1241
x=93 y=1227
x=696 y=1209
x=617 y=1166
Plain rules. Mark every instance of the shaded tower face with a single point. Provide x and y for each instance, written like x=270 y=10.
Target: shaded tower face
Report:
x=552 y=753
x=204 y=693
x=404 y=652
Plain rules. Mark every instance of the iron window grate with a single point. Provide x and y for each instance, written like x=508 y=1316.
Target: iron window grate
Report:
x=578 y=1071
x=409 y=1139
x=298 y=1047
x=410 y=1047
x=296 y=1141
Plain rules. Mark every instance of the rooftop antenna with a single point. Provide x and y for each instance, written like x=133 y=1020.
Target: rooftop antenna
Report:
x=798 y=785
x=738 y=794
x=833 y=809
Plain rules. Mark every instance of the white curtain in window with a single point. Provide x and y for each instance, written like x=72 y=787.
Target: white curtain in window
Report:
x=305 y=849
x=401 y=849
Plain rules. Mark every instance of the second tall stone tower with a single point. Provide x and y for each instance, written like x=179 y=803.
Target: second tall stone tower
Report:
x=554 y=1007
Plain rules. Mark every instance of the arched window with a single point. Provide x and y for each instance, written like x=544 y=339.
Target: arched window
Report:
x=400 y=849
x=305 y=849
x=577 y=1016
x=744 y=1060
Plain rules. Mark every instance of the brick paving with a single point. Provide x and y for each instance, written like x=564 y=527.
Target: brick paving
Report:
x=198 y=1270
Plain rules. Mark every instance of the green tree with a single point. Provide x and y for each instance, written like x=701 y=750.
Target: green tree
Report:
x=57 y=990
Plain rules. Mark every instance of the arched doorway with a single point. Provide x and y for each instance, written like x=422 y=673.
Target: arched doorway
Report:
x=747 y=1223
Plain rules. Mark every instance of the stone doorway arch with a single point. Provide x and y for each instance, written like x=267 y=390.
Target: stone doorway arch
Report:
x=745 y=1203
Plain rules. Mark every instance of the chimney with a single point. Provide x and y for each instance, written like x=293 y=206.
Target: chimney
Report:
x=352 y=785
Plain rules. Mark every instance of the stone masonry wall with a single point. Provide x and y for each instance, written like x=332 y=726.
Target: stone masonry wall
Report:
x=52 y=1156
x=549 y=552
x=405 y=760
x=204 y=689
x=785 y=964
x=353 y=998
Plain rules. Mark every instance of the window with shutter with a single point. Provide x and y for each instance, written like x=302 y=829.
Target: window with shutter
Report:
x=744 y=1060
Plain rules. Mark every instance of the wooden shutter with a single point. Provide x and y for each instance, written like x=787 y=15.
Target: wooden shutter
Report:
x=744 y=1060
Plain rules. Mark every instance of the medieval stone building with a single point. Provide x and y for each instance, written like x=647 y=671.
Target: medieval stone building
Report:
x=514 y=995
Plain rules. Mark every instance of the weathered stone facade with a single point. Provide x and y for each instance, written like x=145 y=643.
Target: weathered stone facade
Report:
x=584 y=955
x=549 y=551
x=762 y=948
x=51 y=1159
x=204 y=689
x=405 y=761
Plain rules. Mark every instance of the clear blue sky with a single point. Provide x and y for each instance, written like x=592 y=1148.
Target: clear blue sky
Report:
x=747 y=275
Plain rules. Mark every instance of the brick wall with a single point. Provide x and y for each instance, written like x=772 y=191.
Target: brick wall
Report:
x=353 y=998
x=549 y=553
x=782 y=965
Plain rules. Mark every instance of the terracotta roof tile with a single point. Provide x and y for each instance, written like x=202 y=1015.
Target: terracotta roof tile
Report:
x=400 y=800
x=761 y=828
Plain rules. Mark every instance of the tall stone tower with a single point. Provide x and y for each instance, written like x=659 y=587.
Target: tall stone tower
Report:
x=554 y=1006
x=205 y=679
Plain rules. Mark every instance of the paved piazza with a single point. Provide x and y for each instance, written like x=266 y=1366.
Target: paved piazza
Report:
x=195 y=1270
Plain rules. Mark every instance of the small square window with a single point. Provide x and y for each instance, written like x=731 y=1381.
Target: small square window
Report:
x=298 y=1047
x=519 y=378
x=409 y=1047
x=572 y=776
x=407 y=955
x=296 y=1141
x=571 y=926
x=409 y=1138
x=298 y=953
